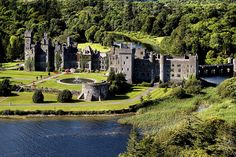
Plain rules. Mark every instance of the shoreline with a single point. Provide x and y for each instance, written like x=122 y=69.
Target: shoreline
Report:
x=18 y=114
x=20 y=117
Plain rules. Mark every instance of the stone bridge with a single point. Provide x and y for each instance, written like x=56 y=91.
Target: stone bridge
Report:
x=216 y=70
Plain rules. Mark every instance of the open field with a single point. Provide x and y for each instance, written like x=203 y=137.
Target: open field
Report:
x=23 y=77
x=11 y=64
x=24 y=102
x=94 y=46
x=148 y=40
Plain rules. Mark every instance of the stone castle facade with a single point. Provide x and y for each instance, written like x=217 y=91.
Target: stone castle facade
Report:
x=140 y=65
x=48 y=56
x=136 y=62
x=45 y=56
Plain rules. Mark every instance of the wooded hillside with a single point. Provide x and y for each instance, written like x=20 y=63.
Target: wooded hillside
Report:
x=189 y=27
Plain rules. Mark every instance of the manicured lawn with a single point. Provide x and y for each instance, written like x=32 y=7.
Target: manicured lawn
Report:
x=26 y=98
x=24 y=102
x=160 y=92
x=94 y=46
x=22 y=76
x=54 y=84
x=11 y=64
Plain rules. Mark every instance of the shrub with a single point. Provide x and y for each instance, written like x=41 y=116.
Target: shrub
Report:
x=64 y=96
x=178 y=92
x=227 y=88
x=192 y=85
x=5 y=88
x=118 y=83
x=38 y=97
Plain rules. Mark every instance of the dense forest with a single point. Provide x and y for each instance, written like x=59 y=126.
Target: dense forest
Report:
x=196 y=26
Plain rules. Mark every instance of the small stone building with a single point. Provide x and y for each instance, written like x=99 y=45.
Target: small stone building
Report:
x=94 y=91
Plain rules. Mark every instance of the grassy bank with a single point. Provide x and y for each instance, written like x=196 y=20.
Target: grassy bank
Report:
x=169 y=114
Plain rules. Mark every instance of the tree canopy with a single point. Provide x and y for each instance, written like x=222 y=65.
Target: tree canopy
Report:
x=203 y=27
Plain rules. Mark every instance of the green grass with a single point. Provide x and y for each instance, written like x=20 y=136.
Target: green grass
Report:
x=24 y=102
x=54 y=84
x=94 y=46
x=170 y=113
x=26 y=98
x=11 y=64
x=159 y=92
x=148 y=40
x=24 y=77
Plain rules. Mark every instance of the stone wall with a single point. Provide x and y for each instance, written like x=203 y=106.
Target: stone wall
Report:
x=94 y=91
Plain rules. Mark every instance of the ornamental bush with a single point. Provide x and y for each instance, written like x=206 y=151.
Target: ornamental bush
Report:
x=193 y=85
x=179 y=92
x=64 y=96
x=38 y=97
x=227 y=89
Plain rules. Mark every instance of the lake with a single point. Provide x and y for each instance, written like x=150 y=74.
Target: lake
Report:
x=64 y=137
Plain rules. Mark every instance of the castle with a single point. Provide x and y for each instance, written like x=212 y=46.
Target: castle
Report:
x=140 y=65
x=136 y=62
x=46 y=56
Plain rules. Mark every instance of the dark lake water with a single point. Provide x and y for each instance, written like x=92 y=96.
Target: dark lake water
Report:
x=81 y=137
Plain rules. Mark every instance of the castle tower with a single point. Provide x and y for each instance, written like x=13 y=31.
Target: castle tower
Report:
x=29 y=51
x=193 y=61
x=234 y=64
x=28 y=39
x=162 y=68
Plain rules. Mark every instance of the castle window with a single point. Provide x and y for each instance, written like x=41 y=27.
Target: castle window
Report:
x=178 y=75
x=127 y=57
x=179 y=65
x=172 y=70
x=173 y=75
x=142 y=53
x=179 y=70
x=124 y=62
x=173 y=65
x=127 y=69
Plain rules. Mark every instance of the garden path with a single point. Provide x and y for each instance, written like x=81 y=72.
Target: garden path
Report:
x=45 y=79
x=37 y=82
